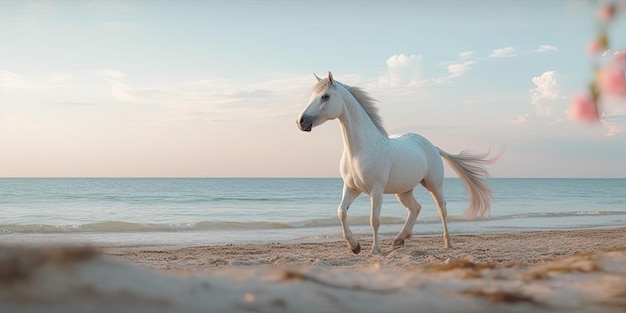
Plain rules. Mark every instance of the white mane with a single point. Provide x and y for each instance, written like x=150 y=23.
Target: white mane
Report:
x=365 y=100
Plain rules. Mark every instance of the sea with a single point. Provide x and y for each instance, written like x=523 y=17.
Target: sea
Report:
x=222 y=211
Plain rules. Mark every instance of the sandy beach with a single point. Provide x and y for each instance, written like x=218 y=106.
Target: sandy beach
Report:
x=551 y=271
x=523 y=248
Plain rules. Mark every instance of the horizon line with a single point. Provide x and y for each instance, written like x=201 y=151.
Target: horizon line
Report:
x=258 y=177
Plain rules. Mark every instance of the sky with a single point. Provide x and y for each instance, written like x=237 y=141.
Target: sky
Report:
x=213 y=88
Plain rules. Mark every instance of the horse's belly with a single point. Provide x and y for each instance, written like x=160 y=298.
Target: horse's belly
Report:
x=402 y=181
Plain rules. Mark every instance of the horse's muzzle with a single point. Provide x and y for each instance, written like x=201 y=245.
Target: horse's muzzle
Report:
x=305 y=124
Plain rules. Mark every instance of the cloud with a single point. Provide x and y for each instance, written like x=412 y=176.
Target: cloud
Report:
x=10 y=80
x=219 y=101
x=402 y=70
x=401 y=60
x=121 y=91
x=547 y=100
x=504 y=52
x=545 y=89
x=614 y=115
x=465 y=54
x=521 y=119
x=614 y=125
x=458 y=69
x=552 y=106
x=513 y=52
x=545 y=48
x=203 y=100
x=455 y=68
x=230 y=101
x=125 y=93
x=405 y=71
x=112 y=74
x=81 y=87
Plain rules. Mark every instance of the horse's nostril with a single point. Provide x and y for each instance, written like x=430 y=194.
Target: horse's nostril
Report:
x=301 y=121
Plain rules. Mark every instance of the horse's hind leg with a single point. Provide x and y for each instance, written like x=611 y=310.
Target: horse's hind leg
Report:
x=413 y=208
x=437 y=193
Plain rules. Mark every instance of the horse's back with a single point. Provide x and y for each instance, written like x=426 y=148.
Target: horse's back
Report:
x=416 y=146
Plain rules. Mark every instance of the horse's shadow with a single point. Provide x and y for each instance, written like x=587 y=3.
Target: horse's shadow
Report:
x=417 y=253
x=404 y=250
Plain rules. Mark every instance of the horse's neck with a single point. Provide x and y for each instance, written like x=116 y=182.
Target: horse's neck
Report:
x=359 y=131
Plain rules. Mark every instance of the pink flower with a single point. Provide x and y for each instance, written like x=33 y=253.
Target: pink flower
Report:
x=593 y=47
x=606 y=12
x=583 y=109
x=620 y=57
x=611 y=79
x=599 y=45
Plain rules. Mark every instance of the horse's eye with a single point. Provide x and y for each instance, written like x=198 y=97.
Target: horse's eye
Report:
x=325 y=97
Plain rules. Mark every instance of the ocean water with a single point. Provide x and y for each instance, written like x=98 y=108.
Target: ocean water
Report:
x=210 y=211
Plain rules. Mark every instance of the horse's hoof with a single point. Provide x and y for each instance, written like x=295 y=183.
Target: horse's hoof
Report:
x=357 y=249
x=398 y=243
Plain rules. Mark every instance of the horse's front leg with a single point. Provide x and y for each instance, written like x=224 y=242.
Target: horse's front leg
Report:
x=376 y=198
x=342 y=212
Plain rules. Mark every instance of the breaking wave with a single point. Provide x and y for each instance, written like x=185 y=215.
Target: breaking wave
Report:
x=123 y=226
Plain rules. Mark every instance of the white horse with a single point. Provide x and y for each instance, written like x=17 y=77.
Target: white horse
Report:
x=375 y=163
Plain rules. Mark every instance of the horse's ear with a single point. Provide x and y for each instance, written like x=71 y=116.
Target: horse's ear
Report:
x=318 y=79
x=330 y=78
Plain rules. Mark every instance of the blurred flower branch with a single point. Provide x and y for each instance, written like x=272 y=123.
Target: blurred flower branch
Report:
x=609 y=67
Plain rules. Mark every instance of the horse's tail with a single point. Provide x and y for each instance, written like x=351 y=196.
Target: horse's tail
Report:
x=471 y=169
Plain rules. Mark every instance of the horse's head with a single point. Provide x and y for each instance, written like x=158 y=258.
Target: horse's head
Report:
x=325 y=104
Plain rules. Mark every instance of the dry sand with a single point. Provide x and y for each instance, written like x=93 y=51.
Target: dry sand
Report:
x=555 y=271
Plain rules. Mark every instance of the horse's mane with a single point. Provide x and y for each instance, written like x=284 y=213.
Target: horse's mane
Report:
x=364 y=99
